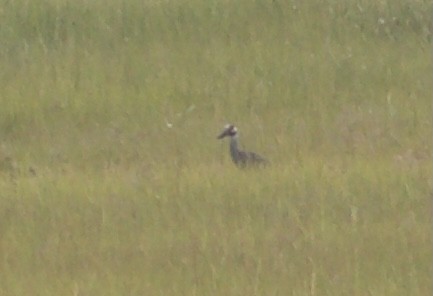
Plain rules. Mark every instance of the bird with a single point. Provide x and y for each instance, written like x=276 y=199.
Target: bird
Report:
x=241 y=158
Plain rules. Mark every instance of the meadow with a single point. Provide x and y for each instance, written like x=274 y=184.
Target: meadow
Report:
x=112 y=181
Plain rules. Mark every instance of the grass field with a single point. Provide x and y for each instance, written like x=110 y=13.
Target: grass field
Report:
x=112 y=181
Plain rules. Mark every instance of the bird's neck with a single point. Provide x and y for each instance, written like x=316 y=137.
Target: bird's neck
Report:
x=234 y=150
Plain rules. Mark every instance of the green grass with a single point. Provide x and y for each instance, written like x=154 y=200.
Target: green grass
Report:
x=98 y=196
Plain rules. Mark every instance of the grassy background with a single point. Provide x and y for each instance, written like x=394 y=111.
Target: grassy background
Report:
x=112 y=181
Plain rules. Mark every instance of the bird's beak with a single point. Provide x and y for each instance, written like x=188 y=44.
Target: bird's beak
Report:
x=223 y=134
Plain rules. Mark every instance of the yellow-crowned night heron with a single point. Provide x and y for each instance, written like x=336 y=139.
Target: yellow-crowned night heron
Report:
x=240 y=158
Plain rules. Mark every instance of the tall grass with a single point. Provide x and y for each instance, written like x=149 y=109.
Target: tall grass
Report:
x=112 y=181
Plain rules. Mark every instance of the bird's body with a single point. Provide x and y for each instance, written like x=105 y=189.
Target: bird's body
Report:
x=239 y=157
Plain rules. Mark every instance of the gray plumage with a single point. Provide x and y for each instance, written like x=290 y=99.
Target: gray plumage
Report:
x=240 y=158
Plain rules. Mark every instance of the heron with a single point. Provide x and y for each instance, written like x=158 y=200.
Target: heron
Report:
x=241 y=158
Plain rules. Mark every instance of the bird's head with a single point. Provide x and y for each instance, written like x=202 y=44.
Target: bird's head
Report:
x=229 y=130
